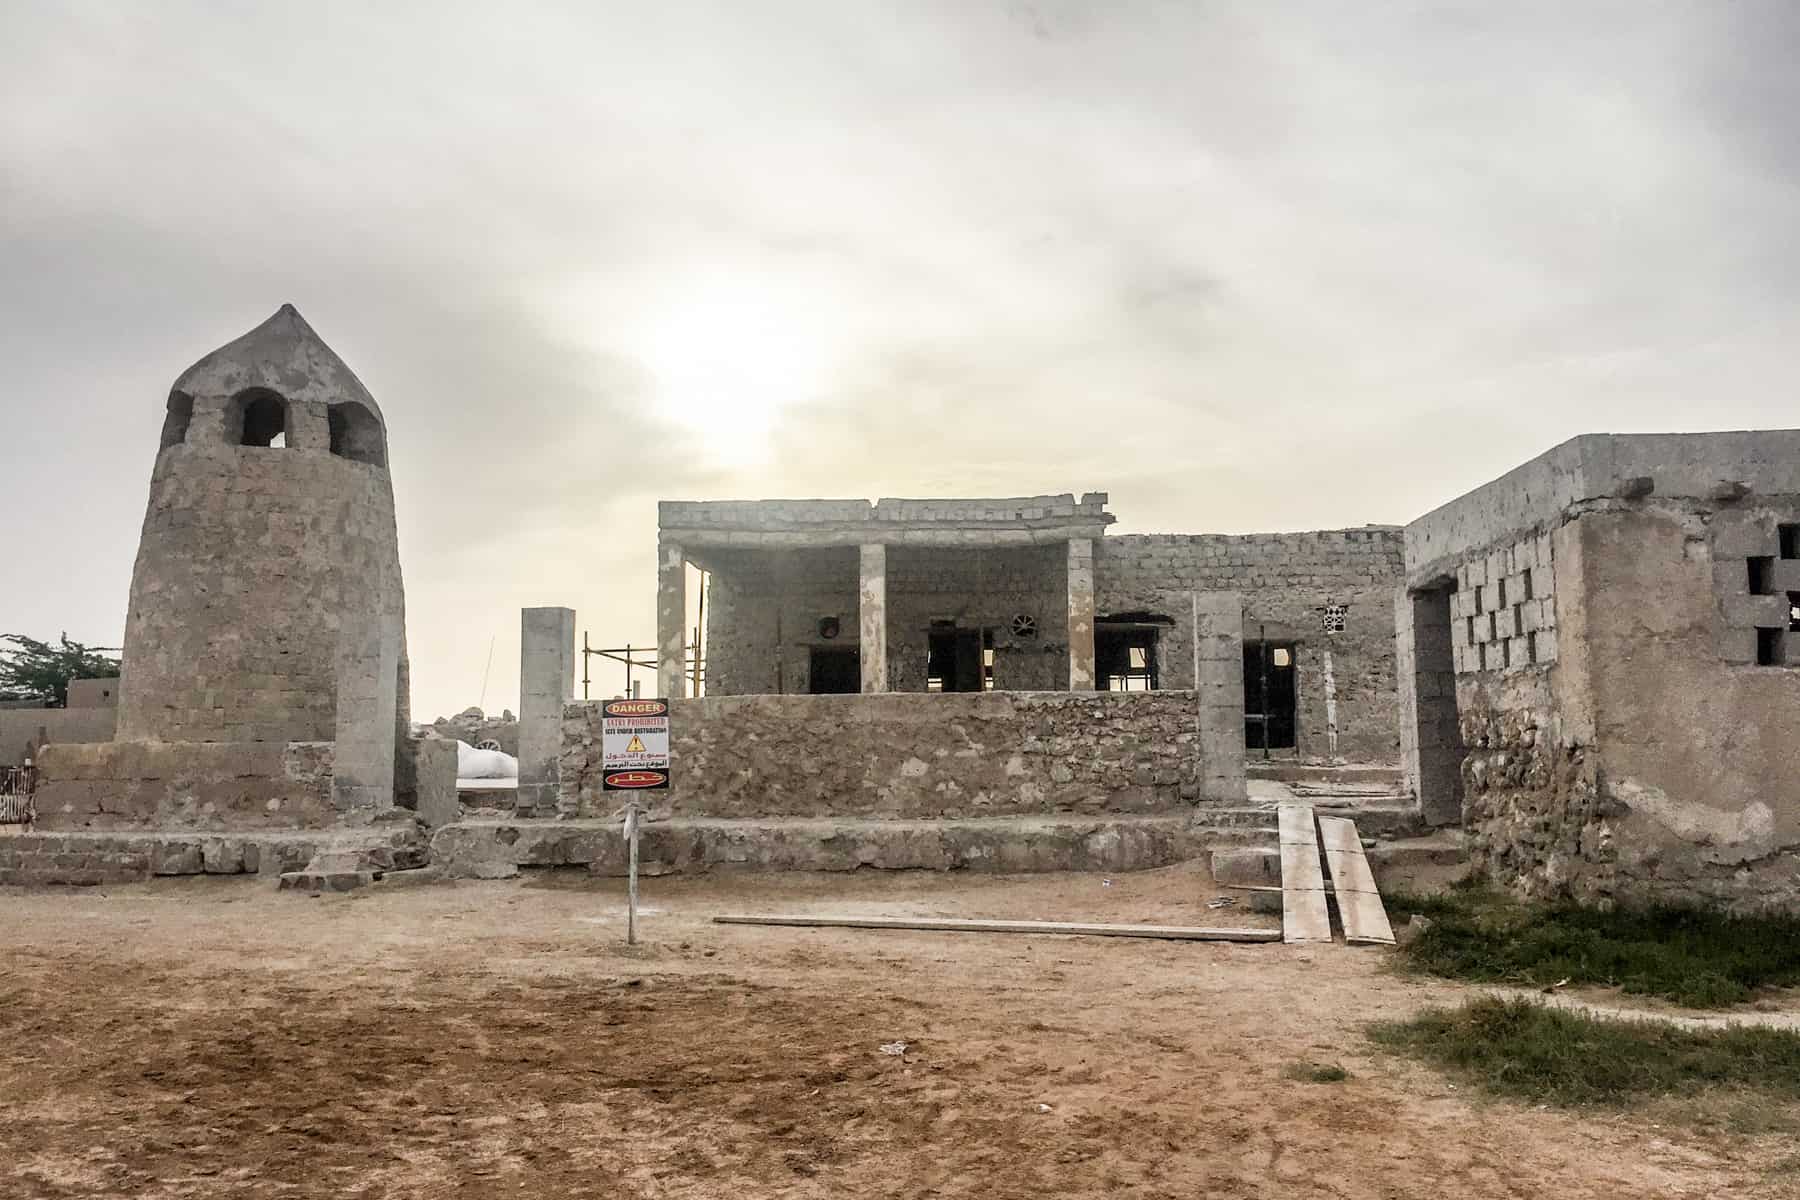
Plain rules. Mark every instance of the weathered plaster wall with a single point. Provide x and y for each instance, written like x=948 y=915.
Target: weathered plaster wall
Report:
x=188 y=785
x=912 y=756
x=22 y=728
x=1287 y=581
x=1654 y=759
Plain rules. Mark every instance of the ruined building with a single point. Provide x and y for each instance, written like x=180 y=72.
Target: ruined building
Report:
x=1030 y=594
x=1600 y=669
x=263 y=686
x=1589 y=667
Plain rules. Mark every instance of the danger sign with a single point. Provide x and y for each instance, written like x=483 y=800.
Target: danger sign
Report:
x=634 y=744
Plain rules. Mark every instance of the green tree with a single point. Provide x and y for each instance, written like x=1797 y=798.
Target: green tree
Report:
x=34 y=670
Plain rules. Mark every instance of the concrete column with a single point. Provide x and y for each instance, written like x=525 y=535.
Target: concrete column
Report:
x=368 y=673
x=872 y=619
x=1081 y=614
x=1218 y=629
x=1431 y=746
x=546 y=683
x=671 y=621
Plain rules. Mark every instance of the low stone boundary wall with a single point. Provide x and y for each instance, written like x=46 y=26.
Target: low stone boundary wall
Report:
x=124 y=857
x=498 y=849
x=186 y=785
x=912 y=756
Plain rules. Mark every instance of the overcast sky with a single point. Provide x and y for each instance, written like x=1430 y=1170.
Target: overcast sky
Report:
x=1245 y=266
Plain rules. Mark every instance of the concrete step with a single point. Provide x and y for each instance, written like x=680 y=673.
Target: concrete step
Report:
x=1293 y=771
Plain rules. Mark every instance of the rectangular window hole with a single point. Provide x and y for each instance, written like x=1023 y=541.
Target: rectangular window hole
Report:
x=1526 y=580
x=1768 y=647
x=1790 y=540
x=1762 y=575
x=1531 y=648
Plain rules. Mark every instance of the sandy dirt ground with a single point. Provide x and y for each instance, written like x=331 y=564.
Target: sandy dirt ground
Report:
x=212 y=1038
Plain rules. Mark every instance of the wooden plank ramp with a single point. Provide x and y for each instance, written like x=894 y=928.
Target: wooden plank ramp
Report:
x=1359 y=903
x=1185 y=933
x=1303 y=914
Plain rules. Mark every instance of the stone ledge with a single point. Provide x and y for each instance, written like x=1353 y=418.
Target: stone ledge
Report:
x=87 y=858
x=495 y=849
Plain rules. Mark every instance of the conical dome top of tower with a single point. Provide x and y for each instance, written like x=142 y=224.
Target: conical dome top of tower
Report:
x=282 y=354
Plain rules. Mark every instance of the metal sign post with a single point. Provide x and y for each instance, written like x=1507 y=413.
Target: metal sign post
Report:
x=631 y=837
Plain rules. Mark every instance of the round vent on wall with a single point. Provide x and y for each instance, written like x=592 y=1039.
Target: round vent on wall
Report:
x=828 y=627
x=487 y=744
x=1024 y=625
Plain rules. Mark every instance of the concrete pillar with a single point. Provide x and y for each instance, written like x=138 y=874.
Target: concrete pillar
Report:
x=1218 y=629
x=368 y=674
x=1431 y=746
x=872 y=619
x=546 y=683
x=671 y=621
x=1081 y=614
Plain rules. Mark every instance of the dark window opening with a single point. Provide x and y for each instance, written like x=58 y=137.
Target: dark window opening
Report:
x=958 y=660
x=1762 y=576
x=1794 y=612
x=1768 y=647
x=1125 y=657
x=829 y=627
x=356 y=434
x=261 y=418
x=1525 y=582
x=834 y=671
x=1500 y=594
x=1790 y=540
x=1269 y=695
x=175 y=425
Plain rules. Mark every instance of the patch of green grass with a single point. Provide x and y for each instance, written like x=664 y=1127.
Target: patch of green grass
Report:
x=1307 y=1072
x=1695 y=957
x=1531 y=1051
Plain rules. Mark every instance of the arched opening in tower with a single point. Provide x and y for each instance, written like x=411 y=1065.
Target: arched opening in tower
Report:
x=262 y=417
x=356 y=434
x=175 y=425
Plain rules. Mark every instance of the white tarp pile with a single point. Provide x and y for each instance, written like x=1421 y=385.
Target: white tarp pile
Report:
x=484 y=764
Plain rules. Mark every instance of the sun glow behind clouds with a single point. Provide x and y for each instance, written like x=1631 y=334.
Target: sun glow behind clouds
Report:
x=725 y=353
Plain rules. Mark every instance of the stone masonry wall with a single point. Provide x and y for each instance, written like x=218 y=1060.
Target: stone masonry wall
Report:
x=911 y=756
x=250 y=559
x=1289 y=582
x=238 y=786
x=21 y=728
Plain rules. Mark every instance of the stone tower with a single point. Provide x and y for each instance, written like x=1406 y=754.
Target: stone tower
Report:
x=266 y=601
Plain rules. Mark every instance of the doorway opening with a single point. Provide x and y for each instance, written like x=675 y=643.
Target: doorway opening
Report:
x=834 y=671
x=1269 y=695
x=959 y=660
x=1125 y=657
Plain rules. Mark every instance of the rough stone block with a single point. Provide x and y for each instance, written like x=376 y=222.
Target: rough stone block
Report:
x=1249 y=866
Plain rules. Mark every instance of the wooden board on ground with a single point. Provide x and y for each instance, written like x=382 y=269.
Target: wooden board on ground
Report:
x=1359 y=903
x=1185 y=933
x=1303 y=914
